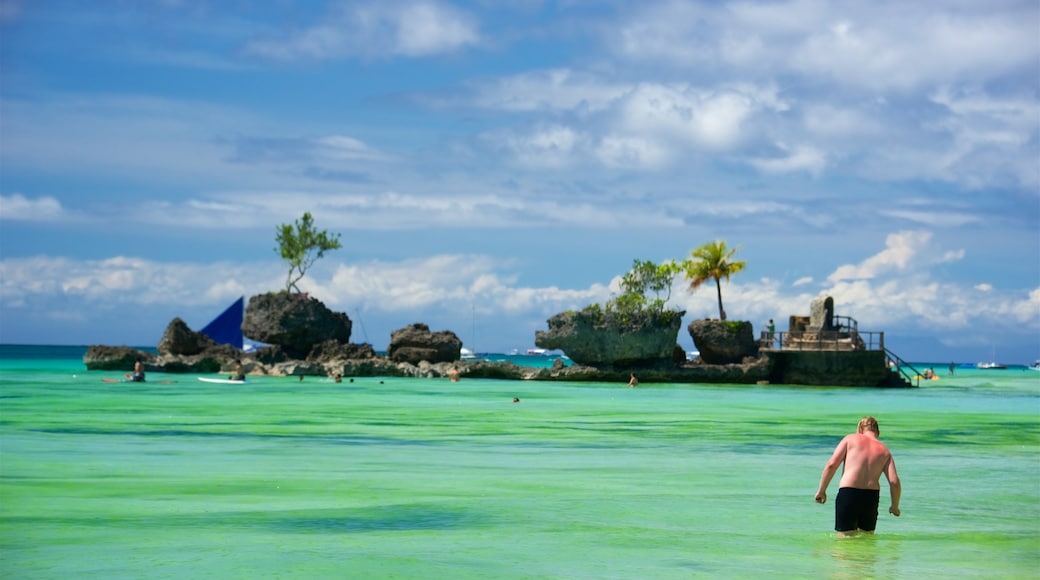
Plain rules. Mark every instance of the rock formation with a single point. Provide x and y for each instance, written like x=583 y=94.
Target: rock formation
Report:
x=178 y=339
x=117 y=358
x=416 y=343
x=723 y=342
x=331 y=350
x=182 y=349
x=600 y=341
x=295 y=322
x=604 y=348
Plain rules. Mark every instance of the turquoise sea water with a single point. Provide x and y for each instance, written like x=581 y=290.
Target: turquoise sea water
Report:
x=422 y=478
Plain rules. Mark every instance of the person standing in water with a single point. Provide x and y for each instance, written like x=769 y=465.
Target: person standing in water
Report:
x=633 y=381
x=138 y=375
x=865 y=458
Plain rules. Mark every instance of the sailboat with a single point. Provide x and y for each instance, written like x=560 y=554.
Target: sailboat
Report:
x=226 y=328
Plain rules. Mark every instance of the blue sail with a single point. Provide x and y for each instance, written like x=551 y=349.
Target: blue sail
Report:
x=227 y=328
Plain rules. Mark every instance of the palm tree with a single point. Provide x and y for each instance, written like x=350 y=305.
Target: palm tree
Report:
x=712 y=261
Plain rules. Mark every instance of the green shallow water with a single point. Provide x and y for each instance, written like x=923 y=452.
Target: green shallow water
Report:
x=422 y=478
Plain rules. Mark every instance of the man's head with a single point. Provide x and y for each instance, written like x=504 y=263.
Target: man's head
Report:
x=869 y=424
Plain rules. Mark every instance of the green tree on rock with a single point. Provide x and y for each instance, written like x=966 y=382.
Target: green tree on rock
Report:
x=634 y=307
x=301 y=245
x=712 y=261
x=645 y=277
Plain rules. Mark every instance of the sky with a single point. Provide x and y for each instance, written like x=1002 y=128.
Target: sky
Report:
x=489 y=164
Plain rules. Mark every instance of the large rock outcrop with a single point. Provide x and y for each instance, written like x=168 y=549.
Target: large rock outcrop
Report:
x=599 y=340
x=416 y=343
x=723 y=342
x=117 y=358
x=183 y=350
x=179 y=339
x=295 y=322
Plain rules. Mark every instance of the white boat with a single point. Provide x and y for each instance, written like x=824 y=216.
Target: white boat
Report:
x=223 y=381
x=467 y=354
x=991 y=365
x=536 y=352
x=1035 y=366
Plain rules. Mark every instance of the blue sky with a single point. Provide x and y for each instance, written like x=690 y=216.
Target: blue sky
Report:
x=488 y=164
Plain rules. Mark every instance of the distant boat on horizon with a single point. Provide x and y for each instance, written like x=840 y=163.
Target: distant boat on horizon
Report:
x=992 y=365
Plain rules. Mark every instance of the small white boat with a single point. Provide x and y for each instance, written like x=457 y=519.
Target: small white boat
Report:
x=1035 y=366
x=223 y=381
x=536 y=352
x=991 y=365
x=467 y=354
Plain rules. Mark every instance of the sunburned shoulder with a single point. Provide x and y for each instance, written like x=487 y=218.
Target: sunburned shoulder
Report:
x=863 y=440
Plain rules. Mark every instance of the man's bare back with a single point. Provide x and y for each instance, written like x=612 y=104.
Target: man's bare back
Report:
x=865 y=459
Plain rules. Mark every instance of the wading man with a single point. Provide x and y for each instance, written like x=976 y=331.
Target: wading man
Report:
x=865 y=458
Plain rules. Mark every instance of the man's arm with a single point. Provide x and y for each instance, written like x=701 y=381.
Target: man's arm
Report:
x=894 y=486
x=837 y=458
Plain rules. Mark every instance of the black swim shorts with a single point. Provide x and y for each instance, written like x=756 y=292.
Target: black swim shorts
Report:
x=856 y=509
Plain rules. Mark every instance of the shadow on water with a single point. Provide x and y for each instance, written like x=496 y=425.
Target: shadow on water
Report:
x=163 y=433
x=389 y=518
x=393 y=518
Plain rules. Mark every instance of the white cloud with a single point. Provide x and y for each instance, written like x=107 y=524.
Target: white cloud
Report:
x=425 y=28
x=452 y=282
x=895 y=46
x=377 y=30
x=801 y=158
x=839 y=121
x=874 y=45
x=900 y=251
x=989 y=135
x=714 y=119
x=17 y=207
x=339 y=147
x=122 y=280
x=632 y=152
x=447 y=289
x=552 y=90
x=549 y=146
x=935 y=216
